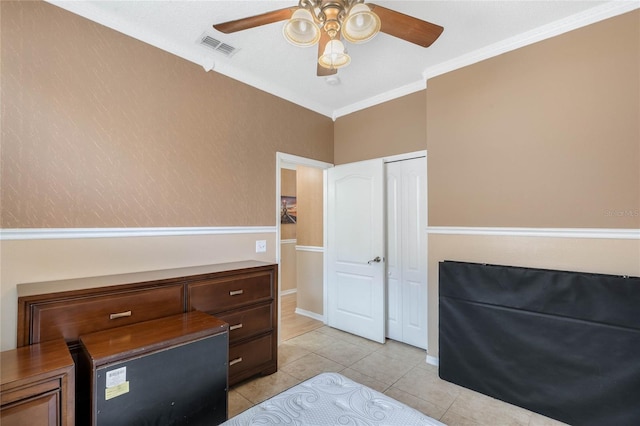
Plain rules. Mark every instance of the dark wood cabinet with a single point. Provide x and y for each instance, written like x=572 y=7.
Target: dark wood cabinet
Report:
x=171 y=370
x=37 y=385
x=241 y=293
x=247 y=302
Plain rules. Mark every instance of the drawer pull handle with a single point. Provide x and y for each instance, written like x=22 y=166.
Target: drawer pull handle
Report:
x=235 y=327
x=120 y=315
x=235 y=292
x=235 y=361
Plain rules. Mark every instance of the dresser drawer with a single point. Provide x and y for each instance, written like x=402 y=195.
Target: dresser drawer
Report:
x=25 y=392
x=249 y=322
x=224 y=294
x=40 y=410
x=250 y=357
x=71 y=318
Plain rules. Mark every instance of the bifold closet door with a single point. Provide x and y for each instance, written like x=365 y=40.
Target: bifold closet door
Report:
x=406 y=200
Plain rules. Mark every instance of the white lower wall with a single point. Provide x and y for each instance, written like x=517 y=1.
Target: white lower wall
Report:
x=35 y=260
x=288 y=266
x=309 y=268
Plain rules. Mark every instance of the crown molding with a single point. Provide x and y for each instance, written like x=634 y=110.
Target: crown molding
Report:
x=553 y=29
x=398 y=92
x=65 y=233
x=259 y=83
x=593 y=15
x=570 y=23
x=88 y=10
x=205 y=60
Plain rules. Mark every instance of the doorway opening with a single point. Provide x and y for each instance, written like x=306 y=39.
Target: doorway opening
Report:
x=300 y=237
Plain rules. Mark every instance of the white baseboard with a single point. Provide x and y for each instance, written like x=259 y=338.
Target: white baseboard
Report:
x=315 y=249
x=310 y=315
x=433 y=360
x=290 y=291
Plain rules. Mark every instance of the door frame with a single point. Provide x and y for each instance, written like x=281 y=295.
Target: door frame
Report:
x=288 y=161
x=284 y=159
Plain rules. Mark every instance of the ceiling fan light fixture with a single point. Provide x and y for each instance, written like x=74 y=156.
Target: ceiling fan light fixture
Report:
x=361 y=24
x=301 y=30
x=334 y=55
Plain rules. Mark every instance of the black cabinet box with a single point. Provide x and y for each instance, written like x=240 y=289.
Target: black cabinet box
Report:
x=170 y=371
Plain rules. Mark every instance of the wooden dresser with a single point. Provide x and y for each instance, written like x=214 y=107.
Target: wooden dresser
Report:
x=37 y=385
x=241 y=293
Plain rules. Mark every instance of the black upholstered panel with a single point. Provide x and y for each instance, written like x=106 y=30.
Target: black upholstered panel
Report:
x=563 y=344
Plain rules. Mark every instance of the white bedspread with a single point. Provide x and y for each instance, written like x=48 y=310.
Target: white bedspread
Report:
x=331 y=399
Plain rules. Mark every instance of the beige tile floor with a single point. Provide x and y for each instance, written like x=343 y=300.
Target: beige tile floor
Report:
x=395 y=369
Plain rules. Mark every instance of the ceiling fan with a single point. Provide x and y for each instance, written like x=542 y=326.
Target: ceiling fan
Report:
x=326 y=22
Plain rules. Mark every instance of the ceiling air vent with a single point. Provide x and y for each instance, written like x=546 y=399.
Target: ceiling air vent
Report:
x=218 y=46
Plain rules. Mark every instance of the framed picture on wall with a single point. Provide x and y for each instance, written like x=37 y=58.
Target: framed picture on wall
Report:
x=288 y=210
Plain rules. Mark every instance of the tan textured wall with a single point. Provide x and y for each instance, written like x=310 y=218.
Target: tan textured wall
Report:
x=26 y=261
x=310 y=206
x=606 y=256
x=288 y=232
x=101 y=130
x=309 y=277
x=288 y=188
x=309 y=268
x=544 y=136
x=391 y=128
x=288 y=183
x=288 y=266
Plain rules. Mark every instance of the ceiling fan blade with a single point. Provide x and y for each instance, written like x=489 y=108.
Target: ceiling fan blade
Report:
x=324 y=39
x=255 y=21
x=406 y=27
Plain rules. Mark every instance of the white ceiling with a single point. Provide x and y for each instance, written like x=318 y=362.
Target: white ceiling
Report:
x=382 y=69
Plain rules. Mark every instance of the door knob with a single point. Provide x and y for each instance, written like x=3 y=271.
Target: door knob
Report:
x=376 y=260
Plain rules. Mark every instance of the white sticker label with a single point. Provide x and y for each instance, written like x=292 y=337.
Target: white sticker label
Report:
x=116 y=377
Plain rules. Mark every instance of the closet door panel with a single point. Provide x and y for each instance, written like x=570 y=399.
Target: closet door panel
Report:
x=406 y=251
x=414 y=252
x=394 y=246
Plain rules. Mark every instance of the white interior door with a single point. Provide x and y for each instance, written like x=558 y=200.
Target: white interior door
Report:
x=355 y=249
x=406 y=251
